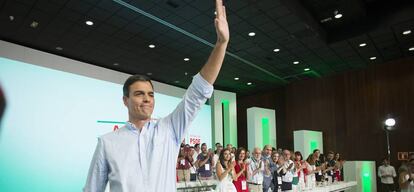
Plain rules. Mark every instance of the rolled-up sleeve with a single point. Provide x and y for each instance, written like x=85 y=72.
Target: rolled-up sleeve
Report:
x=98 y=171
x=196 y=95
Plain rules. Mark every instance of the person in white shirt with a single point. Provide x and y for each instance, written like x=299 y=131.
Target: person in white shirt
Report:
x=387 y=174
x=256 y=170
x=126 y=158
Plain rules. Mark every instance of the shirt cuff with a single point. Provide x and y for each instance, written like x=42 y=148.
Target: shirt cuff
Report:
x=203 y=86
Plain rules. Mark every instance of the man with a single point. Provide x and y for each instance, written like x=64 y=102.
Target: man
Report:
x=256 y=170
x=266 y=158
x=127 y=158
x=205 y=163
x=217 y=155
x=386 y=173
x=197 y=151
x=289 y=166
x=330 y=165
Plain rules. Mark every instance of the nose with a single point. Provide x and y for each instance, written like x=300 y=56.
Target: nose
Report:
x=146 y=98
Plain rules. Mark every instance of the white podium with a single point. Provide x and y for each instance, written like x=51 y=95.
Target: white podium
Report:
x=364 y=173
x=306 y=141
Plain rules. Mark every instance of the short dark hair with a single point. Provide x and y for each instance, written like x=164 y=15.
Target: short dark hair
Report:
x=131 y=80
x=196 y=145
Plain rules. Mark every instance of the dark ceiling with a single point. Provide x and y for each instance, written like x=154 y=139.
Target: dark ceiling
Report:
x=302 y=30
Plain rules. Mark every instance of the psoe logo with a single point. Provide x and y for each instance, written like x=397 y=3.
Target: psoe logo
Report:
x=114 y=124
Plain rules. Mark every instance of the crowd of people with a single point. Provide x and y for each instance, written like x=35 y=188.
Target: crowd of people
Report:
x=267 y=169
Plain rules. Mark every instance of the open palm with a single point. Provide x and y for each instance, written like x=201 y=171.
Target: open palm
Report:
x=222 y=27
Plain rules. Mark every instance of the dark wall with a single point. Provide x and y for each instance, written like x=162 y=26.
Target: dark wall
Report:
x=348 y=108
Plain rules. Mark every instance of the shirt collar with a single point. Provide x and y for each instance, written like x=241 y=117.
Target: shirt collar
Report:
x=134 y=129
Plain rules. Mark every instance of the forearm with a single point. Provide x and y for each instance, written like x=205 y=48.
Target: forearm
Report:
x=213 y=65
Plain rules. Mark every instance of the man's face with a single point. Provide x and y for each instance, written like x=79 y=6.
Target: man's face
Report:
x=268 y=151
x=140 y=101
x=257 y=154
x=287 y=154
x=204 y=148
x=229 y=147
x=219 y=148
x=330 y=156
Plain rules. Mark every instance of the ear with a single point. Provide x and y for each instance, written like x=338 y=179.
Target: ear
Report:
x=125 y=99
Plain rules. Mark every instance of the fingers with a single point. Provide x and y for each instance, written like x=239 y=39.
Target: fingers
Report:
x=219 y=7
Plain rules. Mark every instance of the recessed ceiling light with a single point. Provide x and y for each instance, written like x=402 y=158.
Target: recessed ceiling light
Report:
x=249 y=83
x=306 y=69
x=116 y=64
x=59 y=48
x=373 y=58
x=295 y=62
x=11 y=17
x=186 y=59
x=251 y=34
x=236 y=78
x=149 y=73
x=176 y=81
x=337 y=16
x=34 y=24
x=151 y=46
x=89 y=23
x=406 y=32
x=276 y=50
x=362 y=44
x=411 y=49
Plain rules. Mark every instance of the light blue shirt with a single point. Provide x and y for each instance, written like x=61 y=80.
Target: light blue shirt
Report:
x=133 y=161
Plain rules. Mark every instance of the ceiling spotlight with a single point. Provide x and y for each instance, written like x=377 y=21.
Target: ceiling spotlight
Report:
x=373 y=58
x=236 y=78
x=89 y=23
x=252 y=34
x=406 y=32
x=411 y=49
x=249 y=83
x=390 y=122
x=306 y=69
x=337 y=16
x=295 y=62
x=11 y=17
x=176 y=81
x=362 y=44
x=276 y=50
x=186 y=59
x=59 y=48
x=151 y=46
x=185 y=73
x=149 y=73
x=34 y=24
x=116 y=64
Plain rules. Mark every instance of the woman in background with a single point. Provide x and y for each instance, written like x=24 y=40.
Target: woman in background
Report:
x=241 y=171
x=225 y=172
